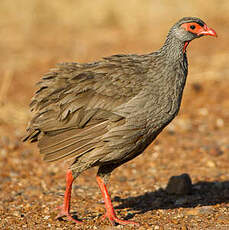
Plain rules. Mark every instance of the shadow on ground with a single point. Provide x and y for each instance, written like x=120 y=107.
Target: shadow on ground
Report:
x=203 y=194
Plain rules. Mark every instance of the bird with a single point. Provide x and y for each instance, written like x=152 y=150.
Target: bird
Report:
x=105 y=113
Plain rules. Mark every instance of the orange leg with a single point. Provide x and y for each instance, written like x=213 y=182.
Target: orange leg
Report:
x=65 y=208
x=110 y=213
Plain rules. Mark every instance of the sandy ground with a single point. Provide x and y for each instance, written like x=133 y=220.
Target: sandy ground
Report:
x=34 y=36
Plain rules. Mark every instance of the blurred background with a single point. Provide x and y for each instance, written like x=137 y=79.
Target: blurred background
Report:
x=37 y=34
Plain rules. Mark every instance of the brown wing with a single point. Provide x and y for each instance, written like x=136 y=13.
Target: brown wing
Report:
x=75 y=104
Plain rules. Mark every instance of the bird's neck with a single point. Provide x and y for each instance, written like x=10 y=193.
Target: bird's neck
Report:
x=174 y=49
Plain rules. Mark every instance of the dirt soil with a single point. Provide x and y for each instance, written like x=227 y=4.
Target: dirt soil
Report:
x=37 y=34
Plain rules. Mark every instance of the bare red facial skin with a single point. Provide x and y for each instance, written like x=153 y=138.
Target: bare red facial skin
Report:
x=199 y=30
x=185 y=46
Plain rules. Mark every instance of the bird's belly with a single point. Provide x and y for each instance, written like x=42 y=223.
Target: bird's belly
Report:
x=141 y=128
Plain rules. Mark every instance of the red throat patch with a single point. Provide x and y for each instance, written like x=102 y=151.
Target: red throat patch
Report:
x=185 y=46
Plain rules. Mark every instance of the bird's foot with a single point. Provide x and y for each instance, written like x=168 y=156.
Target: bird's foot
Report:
x=66 y=213
x=114 y=220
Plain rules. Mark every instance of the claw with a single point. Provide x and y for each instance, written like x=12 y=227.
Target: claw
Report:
x=63 y=213
x=114 y=219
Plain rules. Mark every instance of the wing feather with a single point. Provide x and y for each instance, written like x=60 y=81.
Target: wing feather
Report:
x=75 y=105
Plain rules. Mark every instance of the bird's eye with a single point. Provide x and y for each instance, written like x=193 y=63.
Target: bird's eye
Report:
x=192 y=27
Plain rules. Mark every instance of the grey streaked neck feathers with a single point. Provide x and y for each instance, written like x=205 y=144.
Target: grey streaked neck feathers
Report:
x=173 y=47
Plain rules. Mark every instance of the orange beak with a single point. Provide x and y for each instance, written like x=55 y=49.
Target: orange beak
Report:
x=207 y=31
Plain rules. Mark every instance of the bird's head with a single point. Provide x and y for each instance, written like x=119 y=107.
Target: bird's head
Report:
x=189 y=28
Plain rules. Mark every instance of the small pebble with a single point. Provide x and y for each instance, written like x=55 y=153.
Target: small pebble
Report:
x=219 y=123
x=184 y=124
x=211 y=164
x=197 y=87
x=17 y=213
x=46 y=217
x=179 y=185
x=203 y=111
